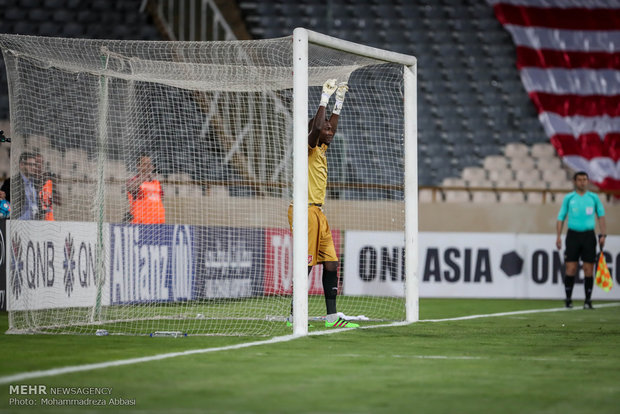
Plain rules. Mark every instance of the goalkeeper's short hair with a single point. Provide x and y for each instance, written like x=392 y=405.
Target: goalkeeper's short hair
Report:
x=311 y=121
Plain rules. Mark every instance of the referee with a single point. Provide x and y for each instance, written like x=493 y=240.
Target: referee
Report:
x=580 y=206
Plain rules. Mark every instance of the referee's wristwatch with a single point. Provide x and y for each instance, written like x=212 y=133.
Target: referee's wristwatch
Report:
x=602 y=235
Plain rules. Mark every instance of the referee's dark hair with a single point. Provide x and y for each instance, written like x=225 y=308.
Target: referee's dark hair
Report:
x=578 y=173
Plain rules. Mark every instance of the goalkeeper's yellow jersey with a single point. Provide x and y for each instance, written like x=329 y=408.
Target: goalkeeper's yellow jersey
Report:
x=317 y=174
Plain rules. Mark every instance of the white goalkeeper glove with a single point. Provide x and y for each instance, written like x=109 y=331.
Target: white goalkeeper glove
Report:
x=340 y=93
x=329 y=87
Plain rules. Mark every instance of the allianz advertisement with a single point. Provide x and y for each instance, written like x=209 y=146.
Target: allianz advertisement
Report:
x=467 y=265
x=150 y=263
x=54 y=265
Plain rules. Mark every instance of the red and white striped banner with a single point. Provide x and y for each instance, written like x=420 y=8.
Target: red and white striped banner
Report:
x=568 y=54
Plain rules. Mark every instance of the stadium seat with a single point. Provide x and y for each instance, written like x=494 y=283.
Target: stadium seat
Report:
x=480 y=183
x=511 y=197
x=534 y=197
x=524 y=163
x=474 y=174
x=63 y=15
x=15 y=14
x=488 y=197
x=536 y=183
x=425 y=195
x=453 y=182
x=542 y=150
x=507 y=184
x=55 y=4
x=486 y=149
x=558 y=196
x=501 y=175
x=516 y=150
x=556 y=178
x=456 y=196
x=495 y=162
x=49 y=28
x=39 y=15
x=551 y=163
x=527 y=175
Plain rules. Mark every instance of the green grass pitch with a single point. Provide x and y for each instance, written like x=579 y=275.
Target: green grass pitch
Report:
x=553 y=362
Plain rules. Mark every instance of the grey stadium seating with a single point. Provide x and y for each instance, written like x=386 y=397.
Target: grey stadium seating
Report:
x=466 y=60
x=471 y=102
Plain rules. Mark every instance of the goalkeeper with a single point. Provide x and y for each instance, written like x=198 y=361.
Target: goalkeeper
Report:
x=320 y=244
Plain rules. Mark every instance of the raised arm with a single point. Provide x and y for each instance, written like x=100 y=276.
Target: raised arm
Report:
x=316 y=123
x=340 y=93
x=315 y=126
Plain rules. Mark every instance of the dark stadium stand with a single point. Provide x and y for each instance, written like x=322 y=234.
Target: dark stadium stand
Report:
x=471 y=101
x=466 y=61
x=97 y=19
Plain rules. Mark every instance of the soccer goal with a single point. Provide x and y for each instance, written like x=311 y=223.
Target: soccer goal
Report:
x=159 y=175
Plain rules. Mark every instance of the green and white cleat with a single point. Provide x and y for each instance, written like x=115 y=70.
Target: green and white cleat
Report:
x=341 y=323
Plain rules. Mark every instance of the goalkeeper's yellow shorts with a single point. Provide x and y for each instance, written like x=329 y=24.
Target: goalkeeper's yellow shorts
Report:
x=320 y=243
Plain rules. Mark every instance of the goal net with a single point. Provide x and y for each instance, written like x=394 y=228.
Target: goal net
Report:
x=151 y=182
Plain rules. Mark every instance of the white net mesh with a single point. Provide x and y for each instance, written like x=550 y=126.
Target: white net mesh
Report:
x=171 y=169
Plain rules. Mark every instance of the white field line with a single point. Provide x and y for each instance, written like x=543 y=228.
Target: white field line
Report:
x=100 y=365
x=524 y=312
x=462 y=357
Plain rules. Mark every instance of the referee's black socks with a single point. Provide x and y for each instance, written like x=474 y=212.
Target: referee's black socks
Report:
x=588 y=284
x=569 y=282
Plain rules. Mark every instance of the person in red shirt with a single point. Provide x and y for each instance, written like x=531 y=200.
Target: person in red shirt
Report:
x=145 y=194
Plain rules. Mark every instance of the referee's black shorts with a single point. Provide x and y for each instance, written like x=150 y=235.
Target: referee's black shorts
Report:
x=580 y=244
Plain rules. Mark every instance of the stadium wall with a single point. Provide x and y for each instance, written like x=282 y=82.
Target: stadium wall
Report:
x=345 y=215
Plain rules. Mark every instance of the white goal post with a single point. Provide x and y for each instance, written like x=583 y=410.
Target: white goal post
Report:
x=301 y=39
x=162 y=173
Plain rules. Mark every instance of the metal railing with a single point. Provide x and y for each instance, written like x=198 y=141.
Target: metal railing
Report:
x=191 y=20
x=549 y=195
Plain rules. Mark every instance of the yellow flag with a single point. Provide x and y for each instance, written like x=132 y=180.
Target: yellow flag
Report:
x=603 y=278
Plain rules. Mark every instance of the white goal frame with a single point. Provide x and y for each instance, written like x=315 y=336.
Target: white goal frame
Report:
x=301 y=38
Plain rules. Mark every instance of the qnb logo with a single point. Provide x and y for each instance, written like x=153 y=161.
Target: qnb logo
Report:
x=17 y=267
x=69 y=265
